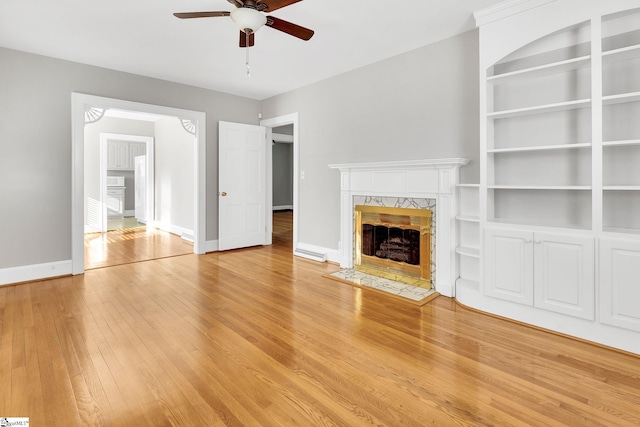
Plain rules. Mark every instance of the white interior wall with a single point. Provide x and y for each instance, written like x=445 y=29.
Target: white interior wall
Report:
x=174 y=178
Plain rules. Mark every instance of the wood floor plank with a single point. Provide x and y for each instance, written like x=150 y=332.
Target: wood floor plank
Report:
x=258 y=337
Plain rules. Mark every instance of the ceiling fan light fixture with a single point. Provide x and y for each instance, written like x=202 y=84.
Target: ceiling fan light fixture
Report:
x=247 y=18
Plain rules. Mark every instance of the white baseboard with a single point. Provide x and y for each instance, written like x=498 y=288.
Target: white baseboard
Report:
x=173 y=229
x=92 y=229
x=283 y=208
x=211 y=246
x=26 y=273
x=131 y=212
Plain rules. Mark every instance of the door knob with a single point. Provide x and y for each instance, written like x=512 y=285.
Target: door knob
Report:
x=224 y=193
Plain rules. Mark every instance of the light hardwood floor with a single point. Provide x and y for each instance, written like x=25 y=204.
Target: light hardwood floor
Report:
x=118 y=247
x=257 y=337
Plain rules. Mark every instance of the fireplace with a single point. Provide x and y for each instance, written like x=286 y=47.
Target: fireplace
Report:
x=410 y=180
x=394 y=243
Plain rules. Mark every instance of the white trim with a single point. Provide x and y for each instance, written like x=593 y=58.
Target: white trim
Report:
x=289 y=119
x=26 y=273
x=173 y=229
x=505 y=9
x=212 y=246
x=130 y=212
x=79 y=102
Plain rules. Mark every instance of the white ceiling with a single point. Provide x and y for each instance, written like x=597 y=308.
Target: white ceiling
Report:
x=143 y=37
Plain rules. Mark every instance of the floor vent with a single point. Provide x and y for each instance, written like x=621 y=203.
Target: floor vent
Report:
x=316 y=256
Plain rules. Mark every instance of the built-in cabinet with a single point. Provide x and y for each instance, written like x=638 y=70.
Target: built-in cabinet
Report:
x=619 y=283
x=559 y=194
x=121 y=154
x=551 y=271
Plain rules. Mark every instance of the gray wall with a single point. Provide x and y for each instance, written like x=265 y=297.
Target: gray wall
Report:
x=419 y=105
x=35 y=137
x=282 y=174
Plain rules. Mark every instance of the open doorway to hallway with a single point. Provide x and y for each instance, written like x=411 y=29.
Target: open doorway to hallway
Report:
x=283 y=168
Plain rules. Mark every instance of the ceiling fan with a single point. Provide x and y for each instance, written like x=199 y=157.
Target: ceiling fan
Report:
x=249 y=18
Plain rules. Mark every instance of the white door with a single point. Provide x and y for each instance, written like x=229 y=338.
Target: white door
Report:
x=140 y=184
x=241 y=186
x=508 y=264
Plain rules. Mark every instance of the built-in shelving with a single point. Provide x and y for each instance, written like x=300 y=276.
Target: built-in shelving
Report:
x=468 y=218
x=541 y=70
x=621 y=143
x=541 y=148
x=621 y=54
x=470 y=252
x=620 y=230
x=468 y=185
x=621 y=188
x=621 y=98
x=539 y=187
x=560 y=182
x=546 y=108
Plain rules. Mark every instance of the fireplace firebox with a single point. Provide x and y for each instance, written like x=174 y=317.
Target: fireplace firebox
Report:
x=394 y=243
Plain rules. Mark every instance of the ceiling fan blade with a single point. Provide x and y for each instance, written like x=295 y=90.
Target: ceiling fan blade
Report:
x=243 y=39
x=275 y=4
x=289 y=28
x=189 y=15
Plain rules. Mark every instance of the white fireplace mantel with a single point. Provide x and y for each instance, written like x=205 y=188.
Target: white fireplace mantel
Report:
x=427 y=179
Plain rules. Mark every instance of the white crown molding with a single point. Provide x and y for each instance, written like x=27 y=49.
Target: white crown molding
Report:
x=506 y=9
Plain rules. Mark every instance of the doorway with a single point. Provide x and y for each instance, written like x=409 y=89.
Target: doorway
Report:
x=86 y=108
x=283 y=125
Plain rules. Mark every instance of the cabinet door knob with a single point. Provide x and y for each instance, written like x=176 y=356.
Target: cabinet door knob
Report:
x=538 y=242
x=224 y=193
x=527 y=240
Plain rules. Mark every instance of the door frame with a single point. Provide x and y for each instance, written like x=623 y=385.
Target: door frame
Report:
x=150 y=183
x=289 y=119
x=80 y=103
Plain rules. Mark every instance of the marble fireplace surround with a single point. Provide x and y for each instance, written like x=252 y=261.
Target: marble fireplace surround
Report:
x=398 y=182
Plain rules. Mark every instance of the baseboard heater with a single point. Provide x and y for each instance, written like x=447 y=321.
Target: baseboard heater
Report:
x=316 y=256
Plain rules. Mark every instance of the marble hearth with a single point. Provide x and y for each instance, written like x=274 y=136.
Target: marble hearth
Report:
x=422 y=184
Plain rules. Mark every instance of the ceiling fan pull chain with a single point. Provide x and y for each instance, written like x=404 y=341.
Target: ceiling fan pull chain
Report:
x=248 y=47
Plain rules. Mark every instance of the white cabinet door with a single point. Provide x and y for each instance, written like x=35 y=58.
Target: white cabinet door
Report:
x=620 y=283
x=117 y=155
x=115 y=203
x=508 y=265
x=564 y=277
